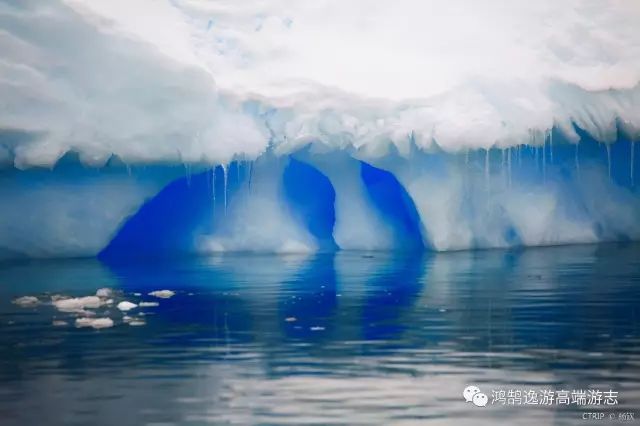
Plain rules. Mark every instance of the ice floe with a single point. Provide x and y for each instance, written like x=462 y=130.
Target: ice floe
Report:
x=163 y=294
x=96 y=323
x=26 y=301
x=77 y=304
x=126 y=306
x=104 y=292
x=86 y=309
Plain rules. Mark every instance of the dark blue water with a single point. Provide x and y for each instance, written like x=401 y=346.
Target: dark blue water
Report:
x=347 y=338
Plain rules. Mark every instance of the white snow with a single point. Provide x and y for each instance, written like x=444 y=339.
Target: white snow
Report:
x=187 y=81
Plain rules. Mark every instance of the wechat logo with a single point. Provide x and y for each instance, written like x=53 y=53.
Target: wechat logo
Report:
x=473 y=394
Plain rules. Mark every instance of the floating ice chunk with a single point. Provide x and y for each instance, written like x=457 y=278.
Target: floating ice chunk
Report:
x=108 y=302
x=136 y=323
x=126 y=306
x=94 y=322
x=104 y=292
x=26 y=301
x=91 y=302
x=316 y=328
x=163 y=294
x=127 y=318
x=59 y=323
x=148 y=304
x=102 y=323
x=137 y=294
x=85 y=313
x=77 y=304
x=291 y=319
x=83 y=322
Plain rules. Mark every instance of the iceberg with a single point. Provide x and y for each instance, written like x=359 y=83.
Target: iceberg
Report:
x=201 y=128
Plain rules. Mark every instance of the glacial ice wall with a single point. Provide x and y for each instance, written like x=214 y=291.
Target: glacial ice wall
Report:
x=153 y=127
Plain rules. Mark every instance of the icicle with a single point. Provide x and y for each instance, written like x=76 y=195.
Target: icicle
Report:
x=129 y=169
x=577 y=160
x=213 y=185
x=509 y=166
x=503 y=164
x=486 y=170
x=224 y=178
x=250 y=174
x=238 y=170
x=544 y=161
x=551 y=145
x=520 y=155
x=187 y=171
x=632 y=161
x=608 y=148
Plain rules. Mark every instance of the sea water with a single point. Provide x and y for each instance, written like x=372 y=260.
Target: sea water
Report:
x=345 y=338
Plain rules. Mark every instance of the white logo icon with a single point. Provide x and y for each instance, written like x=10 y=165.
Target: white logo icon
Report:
x=469 y=391
x=480 y=399
x=473 y=394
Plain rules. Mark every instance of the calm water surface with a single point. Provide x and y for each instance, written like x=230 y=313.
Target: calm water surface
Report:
x=350 y=338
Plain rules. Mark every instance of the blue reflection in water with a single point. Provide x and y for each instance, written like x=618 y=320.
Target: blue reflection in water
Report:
x=390 y=293
x=373 y=338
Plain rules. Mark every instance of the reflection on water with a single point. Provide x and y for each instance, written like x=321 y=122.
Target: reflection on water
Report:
x=349 y=338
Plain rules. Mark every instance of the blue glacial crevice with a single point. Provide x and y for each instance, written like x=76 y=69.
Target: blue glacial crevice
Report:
x=168 y=223
x=311 y=199
x=271 y=205
x=241 y=206
x=359 y=224
x=395 y=207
